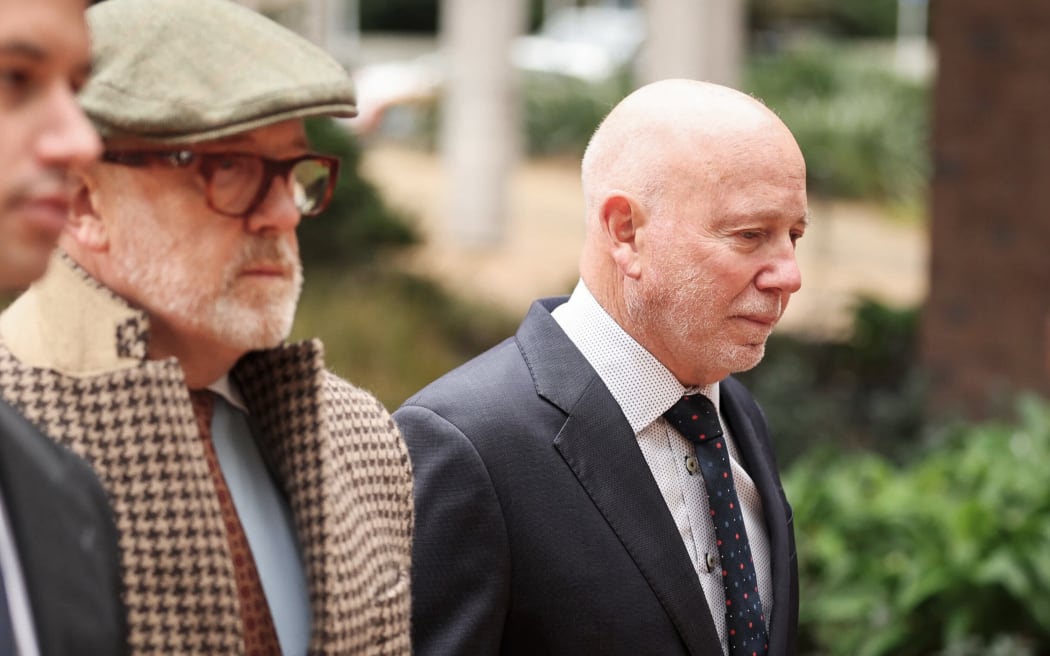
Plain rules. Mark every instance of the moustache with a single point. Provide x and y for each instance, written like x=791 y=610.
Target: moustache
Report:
x=267 y=251
x=761 y=307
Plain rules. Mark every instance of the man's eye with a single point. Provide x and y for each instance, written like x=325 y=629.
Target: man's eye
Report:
x=13 y=79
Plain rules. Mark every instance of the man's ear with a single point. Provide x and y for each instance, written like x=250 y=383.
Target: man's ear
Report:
x=621 y=219
x=85 y=224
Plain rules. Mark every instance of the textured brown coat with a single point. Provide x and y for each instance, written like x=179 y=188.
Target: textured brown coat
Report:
x=73 y=360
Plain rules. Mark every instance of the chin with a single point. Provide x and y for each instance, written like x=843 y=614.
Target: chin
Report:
x=246 y=328
x=747 y=357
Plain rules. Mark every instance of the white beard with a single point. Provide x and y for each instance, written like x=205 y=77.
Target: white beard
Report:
x=243 y=315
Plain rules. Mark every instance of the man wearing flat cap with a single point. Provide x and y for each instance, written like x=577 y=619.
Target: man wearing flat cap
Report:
x=264 y=506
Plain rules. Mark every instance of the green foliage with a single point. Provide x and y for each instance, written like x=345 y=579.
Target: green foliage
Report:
x=420 y=16
x=399 y=15
x=866 y=392
x=949 y=554
x=561 y=113
x=870 y=18
x=863 y=129
x=846 y=17
x=357 y=227
x=393 y=333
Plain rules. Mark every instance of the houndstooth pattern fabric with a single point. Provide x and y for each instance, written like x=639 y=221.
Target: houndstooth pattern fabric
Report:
x=336 y=454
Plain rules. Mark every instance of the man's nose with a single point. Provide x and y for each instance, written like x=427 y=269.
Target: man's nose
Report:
x=66 y=135
x=781 y=273
x=278 y=211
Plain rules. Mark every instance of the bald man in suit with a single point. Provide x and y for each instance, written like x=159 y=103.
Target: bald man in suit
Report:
x=560 y=506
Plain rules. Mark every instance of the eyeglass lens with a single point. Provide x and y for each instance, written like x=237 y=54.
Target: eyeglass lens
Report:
x=310 y=180
x=235 y=182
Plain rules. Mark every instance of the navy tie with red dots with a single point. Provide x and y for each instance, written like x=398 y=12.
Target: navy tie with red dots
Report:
x=694 y=416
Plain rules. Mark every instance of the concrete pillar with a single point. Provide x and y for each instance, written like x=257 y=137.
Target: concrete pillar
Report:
x=911 y=56
x=698 y=39
x=480 y=126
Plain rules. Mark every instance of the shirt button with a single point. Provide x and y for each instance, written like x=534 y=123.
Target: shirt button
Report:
x=691 y=464
x=712 y=561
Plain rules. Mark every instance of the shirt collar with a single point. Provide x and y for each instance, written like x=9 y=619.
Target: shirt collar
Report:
x=641 y=385
x=225 y=388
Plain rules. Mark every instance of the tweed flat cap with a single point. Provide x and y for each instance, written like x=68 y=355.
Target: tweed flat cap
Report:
x=183 y=71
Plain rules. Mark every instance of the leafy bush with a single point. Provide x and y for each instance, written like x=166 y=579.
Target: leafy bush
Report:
x=390 y=332
x=358 y=226
x=558 y=114
x=561 y=113
x=947 y=555
x=399 y=15
x=866 y=392
x=422 y=16
x=863 y=129
x=871 y=18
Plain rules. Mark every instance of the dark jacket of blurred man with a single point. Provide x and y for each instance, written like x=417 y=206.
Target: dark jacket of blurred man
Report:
x=264 y=505
x=59 y=564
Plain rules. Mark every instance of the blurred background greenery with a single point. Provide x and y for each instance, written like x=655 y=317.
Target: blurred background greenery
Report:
x=901 y=547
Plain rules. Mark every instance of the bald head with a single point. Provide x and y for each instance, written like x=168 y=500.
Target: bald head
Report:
x=675 y=126
x=694 y=197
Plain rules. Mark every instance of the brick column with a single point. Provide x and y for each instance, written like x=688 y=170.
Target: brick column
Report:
x=986 y=327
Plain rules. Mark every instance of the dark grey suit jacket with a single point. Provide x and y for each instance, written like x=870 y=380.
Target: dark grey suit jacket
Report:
x=539 y=526
x=66 y=542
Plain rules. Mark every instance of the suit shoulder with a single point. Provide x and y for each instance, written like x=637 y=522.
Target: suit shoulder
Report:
x=484 y=376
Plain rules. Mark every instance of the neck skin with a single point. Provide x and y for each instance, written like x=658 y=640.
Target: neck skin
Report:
x=202 y=362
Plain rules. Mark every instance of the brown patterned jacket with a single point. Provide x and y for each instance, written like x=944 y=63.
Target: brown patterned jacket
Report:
x=73 y=360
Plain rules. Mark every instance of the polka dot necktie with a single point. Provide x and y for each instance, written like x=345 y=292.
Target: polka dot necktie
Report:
x=696 y=419
x=260 y=636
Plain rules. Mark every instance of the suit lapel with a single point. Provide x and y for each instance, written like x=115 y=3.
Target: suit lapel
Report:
x=599 y=446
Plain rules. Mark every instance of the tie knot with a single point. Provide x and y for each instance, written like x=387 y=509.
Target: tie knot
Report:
x=695 y=417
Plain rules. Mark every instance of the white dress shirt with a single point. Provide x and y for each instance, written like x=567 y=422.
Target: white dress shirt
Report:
x=645 y=389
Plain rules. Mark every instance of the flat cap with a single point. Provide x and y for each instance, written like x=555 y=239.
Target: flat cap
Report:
x=184 y=71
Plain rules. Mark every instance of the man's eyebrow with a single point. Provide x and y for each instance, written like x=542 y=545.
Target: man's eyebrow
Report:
x=22 y=49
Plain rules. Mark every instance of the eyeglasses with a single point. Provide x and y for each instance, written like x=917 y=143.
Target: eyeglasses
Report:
x=237 y=183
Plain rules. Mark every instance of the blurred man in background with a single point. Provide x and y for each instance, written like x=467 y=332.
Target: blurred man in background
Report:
x=264 y=505
x=59 y=571
x=600 y=484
